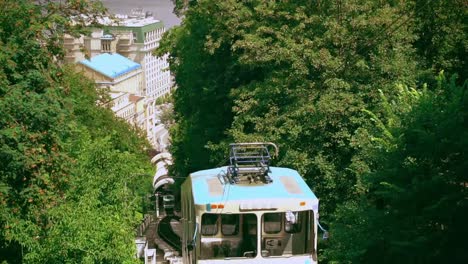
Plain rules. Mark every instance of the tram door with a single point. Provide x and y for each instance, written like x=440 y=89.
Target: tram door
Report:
x=249 y=235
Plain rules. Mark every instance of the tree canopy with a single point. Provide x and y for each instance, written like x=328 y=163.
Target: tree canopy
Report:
x=70 y=172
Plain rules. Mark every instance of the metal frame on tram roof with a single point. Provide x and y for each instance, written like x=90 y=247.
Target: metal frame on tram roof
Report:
x=250 y=161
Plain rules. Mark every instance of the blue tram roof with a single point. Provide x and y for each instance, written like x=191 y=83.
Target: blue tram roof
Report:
x=287 y=183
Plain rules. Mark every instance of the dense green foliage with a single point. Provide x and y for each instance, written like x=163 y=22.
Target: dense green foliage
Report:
x=70 y=172
x=441 y=30
x=297 y=74
x=415 y=208
x=309 y=76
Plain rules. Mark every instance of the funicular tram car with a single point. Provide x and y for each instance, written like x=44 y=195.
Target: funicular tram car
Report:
x=248 y=212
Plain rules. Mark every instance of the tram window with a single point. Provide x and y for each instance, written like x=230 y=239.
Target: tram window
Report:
x=272 y=222
x=297 y=238
x=293 y=223
x=230 y=224
x=238 y=238
x=209 y=225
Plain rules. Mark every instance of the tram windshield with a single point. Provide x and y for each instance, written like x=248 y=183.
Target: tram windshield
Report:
x=287 y=233
x=283 y=234
x=228 y=235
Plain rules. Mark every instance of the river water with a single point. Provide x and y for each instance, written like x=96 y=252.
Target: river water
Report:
x=161 y=9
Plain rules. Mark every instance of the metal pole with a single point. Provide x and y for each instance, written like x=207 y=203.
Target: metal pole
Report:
x=157 y=205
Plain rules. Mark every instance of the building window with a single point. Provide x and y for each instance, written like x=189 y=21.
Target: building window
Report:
x=106 y=45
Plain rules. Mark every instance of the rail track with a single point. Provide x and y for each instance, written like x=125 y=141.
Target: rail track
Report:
x=166 y=233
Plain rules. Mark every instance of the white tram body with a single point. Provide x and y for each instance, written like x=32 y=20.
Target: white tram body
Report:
x=248 y=221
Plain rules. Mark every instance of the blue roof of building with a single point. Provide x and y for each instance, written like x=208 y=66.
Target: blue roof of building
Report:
x=203 y=192
x=111 y=65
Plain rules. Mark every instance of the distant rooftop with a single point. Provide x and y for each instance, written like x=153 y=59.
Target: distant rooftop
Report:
x=138 y=18
x=128 y=21
x=111 y=65
x=139 y=25
x=135 y=98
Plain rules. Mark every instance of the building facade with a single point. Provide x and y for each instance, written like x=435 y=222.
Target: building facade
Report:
x=135 y=37
x=115 y=72
x=123 y=78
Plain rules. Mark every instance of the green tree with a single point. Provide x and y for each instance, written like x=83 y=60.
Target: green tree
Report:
x=300 y=73
x=295 y=73
x=415 y=206
x=95 y=222
x=52 y=211
x=441 y=41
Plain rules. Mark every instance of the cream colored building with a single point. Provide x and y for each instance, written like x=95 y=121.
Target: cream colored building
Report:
x=129 y=107
x=139 y=118
x=122 y=106
x=115 y=72
x=123 y=78
x=134 y=37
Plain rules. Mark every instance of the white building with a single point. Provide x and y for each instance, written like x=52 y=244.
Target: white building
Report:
x=115 y=72
x=122 y=106
x=123 y=78
x=135 y=37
